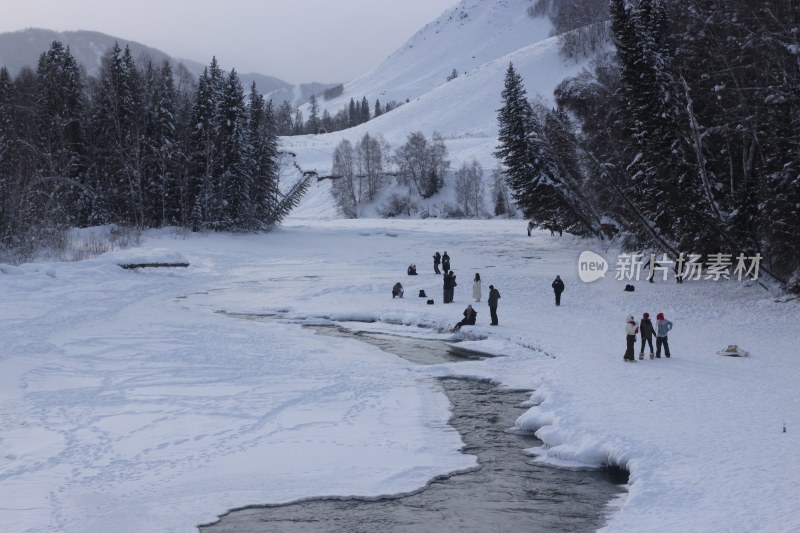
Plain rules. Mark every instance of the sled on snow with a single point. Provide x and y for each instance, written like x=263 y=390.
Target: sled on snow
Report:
x=733 y=351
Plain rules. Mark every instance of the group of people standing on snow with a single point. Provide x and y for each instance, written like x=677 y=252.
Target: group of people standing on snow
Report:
x=647 y=330
x=448 y=291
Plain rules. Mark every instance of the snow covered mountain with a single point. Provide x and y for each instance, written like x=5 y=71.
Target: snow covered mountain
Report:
x=479 y=39
x=22 y=48
x=466 y=36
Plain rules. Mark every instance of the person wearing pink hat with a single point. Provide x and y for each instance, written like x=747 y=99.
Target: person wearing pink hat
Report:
x=663 y=326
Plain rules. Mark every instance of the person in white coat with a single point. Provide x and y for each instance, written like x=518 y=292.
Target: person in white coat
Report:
x=631 y=329
x=476 y=287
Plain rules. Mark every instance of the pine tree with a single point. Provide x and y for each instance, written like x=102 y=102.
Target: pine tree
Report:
x=283 y=119
x=205 y=151
x=59 y=113
x=299 y=123
x=161 y=188
x=313 y=118
x=8 y=196
x=364 y=110
x=352 y=114
x=263 y=142
x=234 y=207
x=118 y=126
x=514 y=120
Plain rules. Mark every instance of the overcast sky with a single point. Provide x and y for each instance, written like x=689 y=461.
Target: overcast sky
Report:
x=295 y=40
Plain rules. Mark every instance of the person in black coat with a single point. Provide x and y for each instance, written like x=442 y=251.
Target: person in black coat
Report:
x=412 y=270
x=448 y=286
x=470 y=317
x=647 y=331
x=397 y=290
x=446 y=262
x=558 y=288
x=437 y=258
x=494 y=295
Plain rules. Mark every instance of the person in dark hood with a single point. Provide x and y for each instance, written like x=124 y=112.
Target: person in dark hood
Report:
x=646 y=331
x=470 y=316
x=397 y=290
x=445 y=262
x=558 y=288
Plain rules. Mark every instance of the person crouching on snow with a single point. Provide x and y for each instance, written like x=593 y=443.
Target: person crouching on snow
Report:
x=631 y=329
x=397 y=290
x=470 y=316
x=662 y=329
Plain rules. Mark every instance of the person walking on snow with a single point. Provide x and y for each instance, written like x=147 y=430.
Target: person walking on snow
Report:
x=558 y=288
x=494 y=295
x=446 y=262
x=437 y=258
x=663 y=326
x=646 y=330
x=530 y=227
x=476 y=287
x=631 y=329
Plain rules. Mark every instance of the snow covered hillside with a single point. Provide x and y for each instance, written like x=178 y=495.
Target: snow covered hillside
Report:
x=478 y=39
x=464 y=37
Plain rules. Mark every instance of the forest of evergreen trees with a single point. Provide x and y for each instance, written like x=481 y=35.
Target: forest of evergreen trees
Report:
x=137 y=145
x=686 y=138
x=290 y=120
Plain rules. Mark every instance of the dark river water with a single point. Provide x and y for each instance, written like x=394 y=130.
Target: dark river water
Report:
x=505 y=493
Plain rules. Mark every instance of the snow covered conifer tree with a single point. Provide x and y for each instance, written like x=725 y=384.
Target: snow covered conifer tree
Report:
x=514 y=121
x=235 y=182
x=263 y=143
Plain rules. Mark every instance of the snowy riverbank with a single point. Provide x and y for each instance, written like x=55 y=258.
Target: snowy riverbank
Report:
x=129 y=402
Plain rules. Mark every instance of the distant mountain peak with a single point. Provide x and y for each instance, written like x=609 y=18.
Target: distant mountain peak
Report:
x=22 y=48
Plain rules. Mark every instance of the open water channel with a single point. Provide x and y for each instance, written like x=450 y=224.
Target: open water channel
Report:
x=507 y=492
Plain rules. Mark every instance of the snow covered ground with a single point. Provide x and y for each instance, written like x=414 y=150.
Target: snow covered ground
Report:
x=153 y=400
x=156 y=399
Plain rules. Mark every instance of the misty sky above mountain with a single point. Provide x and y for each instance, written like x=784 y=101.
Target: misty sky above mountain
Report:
x=296 y=40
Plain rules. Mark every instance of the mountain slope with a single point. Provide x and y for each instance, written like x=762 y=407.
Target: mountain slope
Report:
x=22 y=48
x=463 y=38
x=463 y=110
